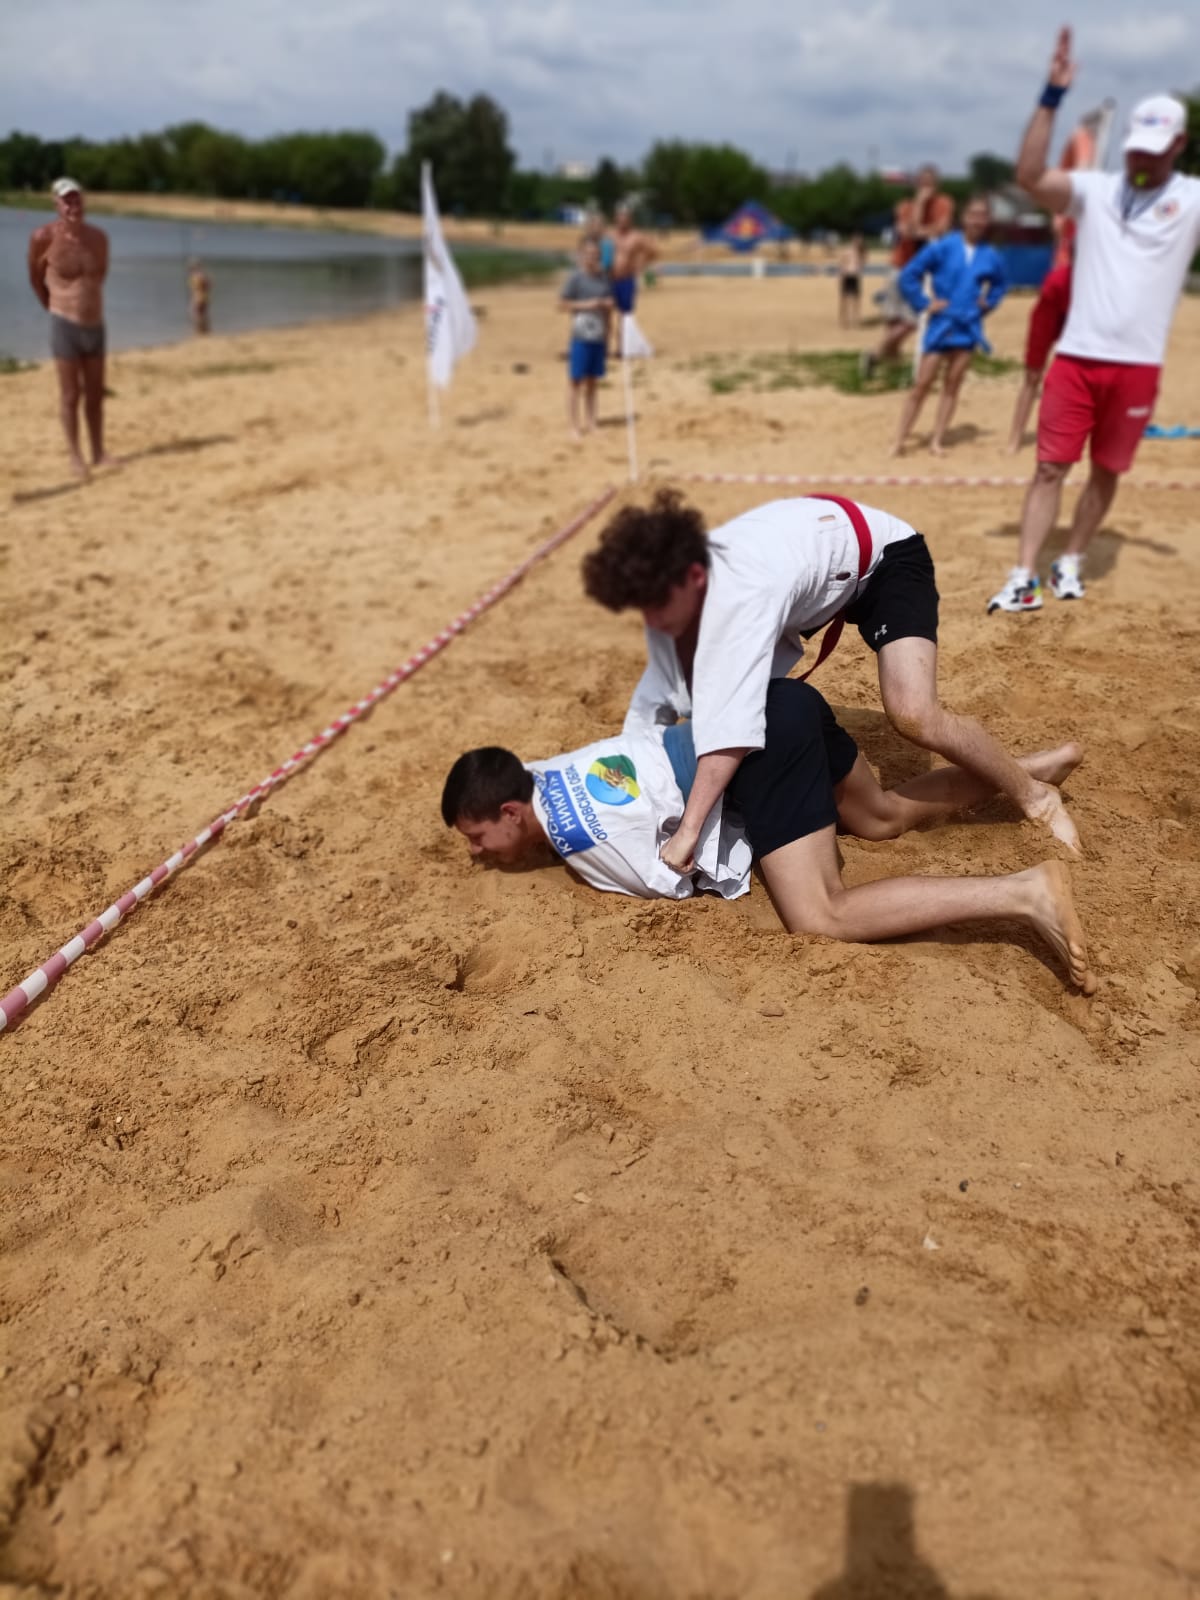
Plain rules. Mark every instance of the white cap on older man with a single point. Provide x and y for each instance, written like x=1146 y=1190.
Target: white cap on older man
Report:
x=62 y=187
x=1156 y=124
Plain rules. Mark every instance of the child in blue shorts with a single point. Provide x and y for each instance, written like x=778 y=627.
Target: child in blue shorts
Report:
x=587 y=295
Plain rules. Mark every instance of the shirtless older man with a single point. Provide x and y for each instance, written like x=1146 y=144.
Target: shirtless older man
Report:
x=68 y=262
x=632 y=254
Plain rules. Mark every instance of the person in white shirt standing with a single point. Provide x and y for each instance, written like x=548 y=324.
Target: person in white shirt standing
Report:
x=727 y=612
x=1137 y=232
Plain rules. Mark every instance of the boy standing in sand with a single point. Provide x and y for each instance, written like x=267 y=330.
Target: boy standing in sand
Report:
x=68 y=263
x=588 y=298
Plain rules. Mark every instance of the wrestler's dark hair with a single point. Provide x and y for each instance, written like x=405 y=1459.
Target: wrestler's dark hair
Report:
x=480 y=782
x=644 y=552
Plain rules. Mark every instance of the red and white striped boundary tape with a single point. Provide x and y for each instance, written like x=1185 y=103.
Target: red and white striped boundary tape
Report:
x=38 y=981
x=901 y=481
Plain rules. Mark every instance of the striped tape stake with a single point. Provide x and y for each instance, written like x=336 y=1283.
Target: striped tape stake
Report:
x=17 y=1000
x=901 y=481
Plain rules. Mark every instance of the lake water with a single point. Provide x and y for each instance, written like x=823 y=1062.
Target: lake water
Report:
x=262 y=278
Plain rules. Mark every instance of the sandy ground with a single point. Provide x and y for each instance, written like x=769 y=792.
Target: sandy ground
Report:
x=379 y=1225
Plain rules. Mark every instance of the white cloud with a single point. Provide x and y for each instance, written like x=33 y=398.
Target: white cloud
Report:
x=905 y=79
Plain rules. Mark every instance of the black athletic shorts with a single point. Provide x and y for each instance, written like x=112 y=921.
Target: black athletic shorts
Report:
x=785 y=790
x=900 y=600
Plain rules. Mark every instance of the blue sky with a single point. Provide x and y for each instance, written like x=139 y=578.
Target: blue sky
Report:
x=892 y=81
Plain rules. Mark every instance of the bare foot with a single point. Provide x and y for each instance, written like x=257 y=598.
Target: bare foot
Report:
x=1053 y=766
x=896 y=451
x=106 y=460
x=80 y=468
x=1053 y=914
x=1050 y=810
x=936 y=449
x=1013 y=447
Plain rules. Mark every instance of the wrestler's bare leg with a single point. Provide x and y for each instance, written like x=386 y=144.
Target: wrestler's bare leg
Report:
x=871 y=812
x=908 y=684
x=805 y=883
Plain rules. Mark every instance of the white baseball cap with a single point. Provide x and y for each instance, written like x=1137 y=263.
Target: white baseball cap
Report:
x=62 y=187
x=1156 y=124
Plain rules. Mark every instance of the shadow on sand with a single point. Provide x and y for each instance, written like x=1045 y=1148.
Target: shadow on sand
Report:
x=881 y=1559
x=1103 y=552
x=171 y=447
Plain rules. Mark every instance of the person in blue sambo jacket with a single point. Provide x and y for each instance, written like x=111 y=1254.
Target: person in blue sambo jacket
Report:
x=969 y=282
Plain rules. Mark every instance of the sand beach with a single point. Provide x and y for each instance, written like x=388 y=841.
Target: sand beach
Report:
x=377 y=1224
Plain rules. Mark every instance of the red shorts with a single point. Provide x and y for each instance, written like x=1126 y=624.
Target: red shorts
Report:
x=1110 y=401
x=1048 y=317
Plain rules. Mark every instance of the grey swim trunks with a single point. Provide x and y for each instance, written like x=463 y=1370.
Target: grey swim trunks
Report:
x=72 y=341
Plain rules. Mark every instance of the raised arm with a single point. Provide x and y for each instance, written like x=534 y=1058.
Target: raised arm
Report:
x=39 y=249
x=1049 y=186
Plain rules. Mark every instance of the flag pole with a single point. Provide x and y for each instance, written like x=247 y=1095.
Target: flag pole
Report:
x=627 y=379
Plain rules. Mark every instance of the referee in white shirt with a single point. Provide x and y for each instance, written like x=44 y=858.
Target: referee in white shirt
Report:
x=1137 y=232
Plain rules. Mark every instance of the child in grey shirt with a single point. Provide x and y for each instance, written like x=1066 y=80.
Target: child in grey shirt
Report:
x=587 y=295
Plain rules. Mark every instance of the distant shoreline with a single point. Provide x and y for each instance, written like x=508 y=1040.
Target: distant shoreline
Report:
x=198 y=210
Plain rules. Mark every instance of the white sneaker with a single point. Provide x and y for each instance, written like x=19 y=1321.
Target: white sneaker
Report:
x=1020 y=593
x=1066 y=582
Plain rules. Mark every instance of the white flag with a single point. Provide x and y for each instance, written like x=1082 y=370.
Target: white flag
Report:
x=634 y=342
x=449 y=325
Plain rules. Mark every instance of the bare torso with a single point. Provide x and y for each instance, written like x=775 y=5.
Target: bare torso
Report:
x=632 y=253
x=71 y=264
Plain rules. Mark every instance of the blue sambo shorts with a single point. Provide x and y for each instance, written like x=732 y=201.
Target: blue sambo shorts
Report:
x=587 y=359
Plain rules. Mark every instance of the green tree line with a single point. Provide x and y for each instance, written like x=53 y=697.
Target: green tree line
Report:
x=688 y=184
